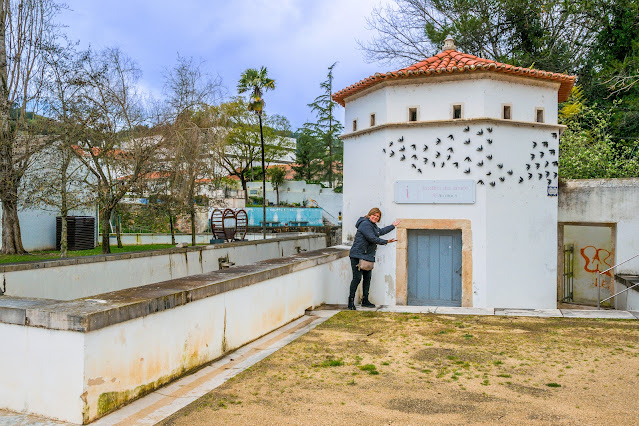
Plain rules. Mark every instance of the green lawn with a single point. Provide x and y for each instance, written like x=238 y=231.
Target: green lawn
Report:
x=44 y=255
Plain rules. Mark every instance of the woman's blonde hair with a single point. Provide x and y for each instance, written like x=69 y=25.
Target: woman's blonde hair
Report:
x=373 y=211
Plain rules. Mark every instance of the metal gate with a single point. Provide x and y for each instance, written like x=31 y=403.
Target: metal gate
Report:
x=569 y=272
x=434 y=267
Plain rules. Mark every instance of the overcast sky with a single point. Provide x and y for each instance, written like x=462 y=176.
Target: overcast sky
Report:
x=295 y=39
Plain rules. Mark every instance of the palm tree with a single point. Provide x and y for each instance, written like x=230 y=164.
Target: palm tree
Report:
x=258 y=82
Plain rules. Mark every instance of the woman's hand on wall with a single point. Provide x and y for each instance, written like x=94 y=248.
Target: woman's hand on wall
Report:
x=392 y=240
x=396 y=223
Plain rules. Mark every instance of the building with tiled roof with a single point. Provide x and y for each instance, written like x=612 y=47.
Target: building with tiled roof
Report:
x=451 y=62
x=464 y=151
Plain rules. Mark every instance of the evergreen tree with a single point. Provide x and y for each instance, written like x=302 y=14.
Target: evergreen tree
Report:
x=308 y=157
x=327 y=129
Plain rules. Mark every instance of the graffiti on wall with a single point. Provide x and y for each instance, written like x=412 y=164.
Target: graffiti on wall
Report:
x=598 y=260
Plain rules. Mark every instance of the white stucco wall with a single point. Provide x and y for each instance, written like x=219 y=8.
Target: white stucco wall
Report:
x=482 y=95
x=37 y=228
x=87 y=279
x=53 y=373
x=42 y=372
x=514 y=236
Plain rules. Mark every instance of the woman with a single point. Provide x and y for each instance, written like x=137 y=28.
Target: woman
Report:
x=364 y=247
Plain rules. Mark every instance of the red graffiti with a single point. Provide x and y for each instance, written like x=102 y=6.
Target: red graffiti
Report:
x=596 y=259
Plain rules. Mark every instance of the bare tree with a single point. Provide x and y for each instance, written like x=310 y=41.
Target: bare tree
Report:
x=192 y=132
x=115 y=144
x=553 y=34
x=58 y=180
x=27 y=31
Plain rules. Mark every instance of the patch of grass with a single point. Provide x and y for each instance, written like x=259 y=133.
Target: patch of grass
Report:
x=370 y=368
x=330 y=362
x=467 y=336
x=55 y=255
x=553 y=385
x=504 y=375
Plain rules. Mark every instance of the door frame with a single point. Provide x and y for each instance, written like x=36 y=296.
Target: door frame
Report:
x=560 y=249
x=401 y=280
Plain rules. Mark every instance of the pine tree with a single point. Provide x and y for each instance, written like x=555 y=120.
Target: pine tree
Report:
x=327 y=129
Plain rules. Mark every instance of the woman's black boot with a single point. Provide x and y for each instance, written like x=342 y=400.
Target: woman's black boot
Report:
x=367 y=304
x=351 y=304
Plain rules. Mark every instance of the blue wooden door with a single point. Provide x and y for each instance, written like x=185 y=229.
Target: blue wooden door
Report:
x=434 y=267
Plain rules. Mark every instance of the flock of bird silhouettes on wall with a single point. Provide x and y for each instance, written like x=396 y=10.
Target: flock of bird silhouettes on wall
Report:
x=440 y=153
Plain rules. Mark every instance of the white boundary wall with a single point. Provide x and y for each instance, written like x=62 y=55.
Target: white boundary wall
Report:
x=80 y=376
x=87 y=276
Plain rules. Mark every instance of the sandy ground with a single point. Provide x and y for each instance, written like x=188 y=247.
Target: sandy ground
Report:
x=384 y=368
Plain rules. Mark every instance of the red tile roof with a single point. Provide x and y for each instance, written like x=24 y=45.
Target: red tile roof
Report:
x=452 y=61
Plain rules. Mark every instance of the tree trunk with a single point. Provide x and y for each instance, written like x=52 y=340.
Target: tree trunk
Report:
x=243 y=180
x=118 y=228
x=192 y=212
x=277 y=196
x=63 y=235
x=172 y=229
x=11 y=237
x=105 y=214
x=263 y=181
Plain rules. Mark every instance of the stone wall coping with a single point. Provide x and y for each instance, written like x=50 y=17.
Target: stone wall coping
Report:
x=598 y=183
x=96 y=312
x=81 y=260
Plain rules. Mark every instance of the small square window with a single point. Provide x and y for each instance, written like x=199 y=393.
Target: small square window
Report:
x=372 y=120
x=412 y=114
x=457 y=112
x=507 y=113
x=539 y=115
x=354 y=125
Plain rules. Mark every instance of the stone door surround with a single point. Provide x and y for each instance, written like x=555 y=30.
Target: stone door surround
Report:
x=442 y=224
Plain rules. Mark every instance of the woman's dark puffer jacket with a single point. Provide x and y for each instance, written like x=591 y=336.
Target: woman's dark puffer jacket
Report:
x=367 y=238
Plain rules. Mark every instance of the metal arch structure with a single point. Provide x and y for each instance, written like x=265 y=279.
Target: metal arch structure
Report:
x=229 y=225
x=242 y=223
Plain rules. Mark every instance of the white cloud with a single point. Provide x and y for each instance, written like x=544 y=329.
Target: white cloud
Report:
x=296 y=39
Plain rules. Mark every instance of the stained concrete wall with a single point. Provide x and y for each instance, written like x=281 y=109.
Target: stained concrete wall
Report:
x=87 y=276
x=76 y=361
x=606 y=201
x=610 y=202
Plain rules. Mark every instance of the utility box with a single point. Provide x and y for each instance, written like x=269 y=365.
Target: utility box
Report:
x=80 y=232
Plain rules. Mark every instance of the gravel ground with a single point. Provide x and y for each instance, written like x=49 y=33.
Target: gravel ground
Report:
x=385 y=368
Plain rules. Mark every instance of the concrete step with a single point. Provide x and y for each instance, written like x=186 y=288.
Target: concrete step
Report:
x=628 y=280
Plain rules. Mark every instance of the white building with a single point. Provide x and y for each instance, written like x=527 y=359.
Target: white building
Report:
x=463 y=151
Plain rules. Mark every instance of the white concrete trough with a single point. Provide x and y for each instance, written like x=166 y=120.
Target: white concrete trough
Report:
x=68 y=279
x=77 y=360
